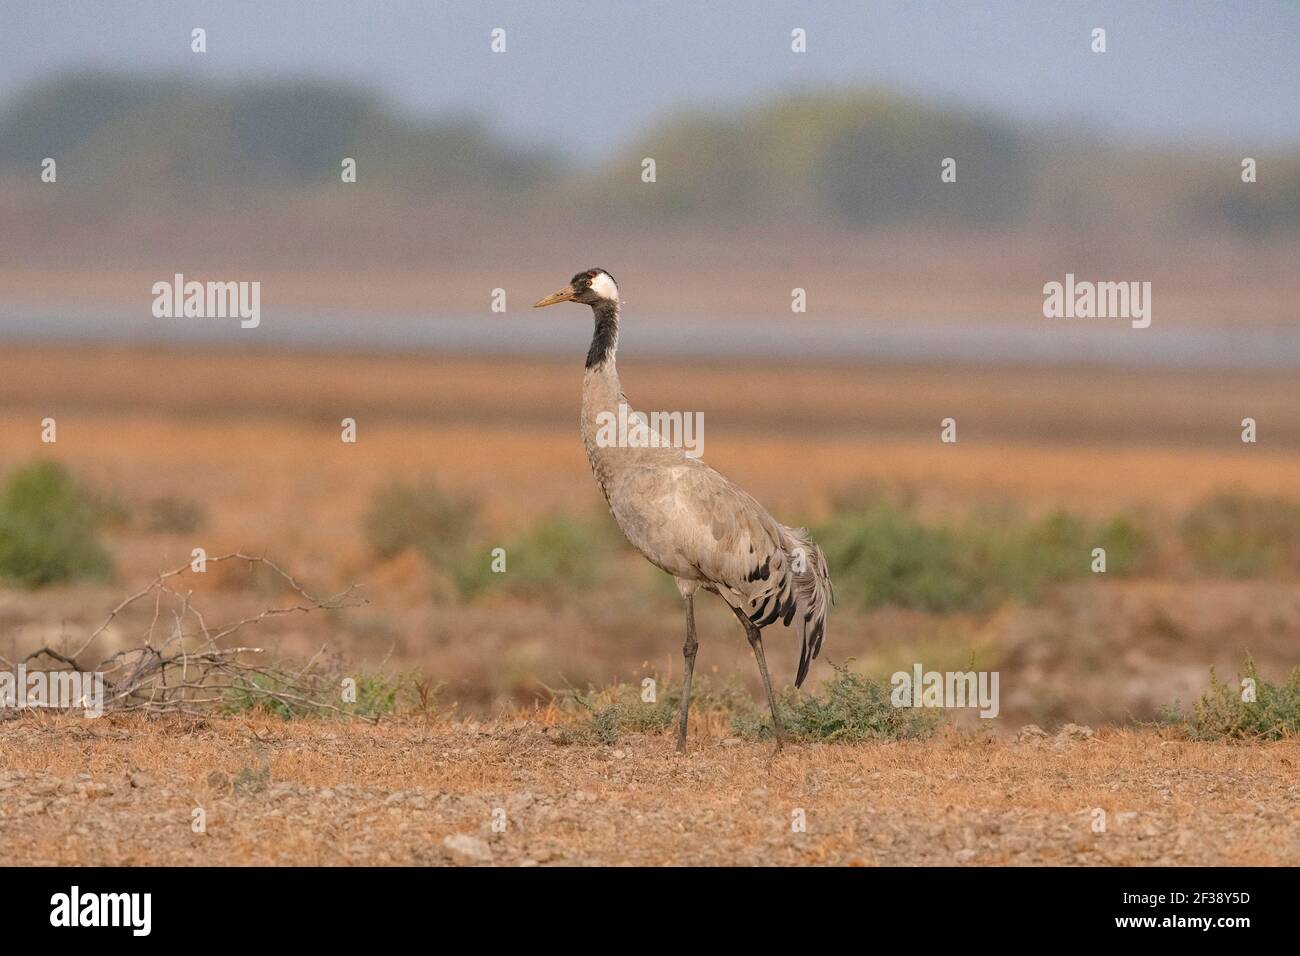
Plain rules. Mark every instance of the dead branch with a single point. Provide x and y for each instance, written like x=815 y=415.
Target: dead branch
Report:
x=189 y=666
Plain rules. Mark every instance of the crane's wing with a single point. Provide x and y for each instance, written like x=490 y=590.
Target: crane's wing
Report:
x=694 y=523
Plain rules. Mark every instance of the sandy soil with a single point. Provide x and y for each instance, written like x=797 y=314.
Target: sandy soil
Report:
x=124 y=791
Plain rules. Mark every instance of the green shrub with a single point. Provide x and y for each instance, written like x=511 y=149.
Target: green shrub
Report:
x=47 y=528
x=435 y=522
x=1242 y=535
x=1023 y=557
x=881 y=553
x=1222 y=714
x=558 y=555
x=286 y=696
x=850 y=708
x=377 y=695
x=257 y=695
x=619 y=709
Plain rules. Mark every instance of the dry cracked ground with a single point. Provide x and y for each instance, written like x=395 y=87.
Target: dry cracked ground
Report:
x=127 y=790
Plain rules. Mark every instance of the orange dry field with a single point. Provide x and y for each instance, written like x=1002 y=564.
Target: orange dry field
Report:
x=509 y=792
x=253 y=439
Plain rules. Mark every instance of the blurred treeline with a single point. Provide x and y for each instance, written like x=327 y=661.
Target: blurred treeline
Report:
x=844 y=160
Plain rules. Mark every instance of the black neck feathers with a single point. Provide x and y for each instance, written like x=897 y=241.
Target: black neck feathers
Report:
x=604 y=339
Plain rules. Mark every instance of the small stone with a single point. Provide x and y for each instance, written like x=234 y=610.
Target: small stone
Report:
x=140 y=780
x=1030 y=733
x=467 y=849
x=1075 y=732
x=732 y=742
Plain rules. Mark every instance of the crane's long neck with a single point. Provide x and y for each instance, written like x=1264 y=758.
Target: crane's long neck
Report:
x=602 y=394
x=604 y=340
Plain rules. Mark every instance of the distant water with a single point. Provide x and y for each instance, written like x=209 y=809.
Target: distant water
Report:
x=1037 y=341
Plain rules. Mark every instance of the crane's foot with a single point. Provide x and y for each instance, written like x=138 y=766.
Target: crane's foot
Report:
x=779 y=734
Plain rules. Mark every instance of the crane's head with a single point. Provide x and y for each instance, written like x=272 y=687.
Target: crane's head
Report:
x=593 y=287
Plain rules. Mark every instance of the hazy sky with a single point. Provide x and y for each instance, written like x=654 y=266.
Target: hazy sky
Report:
x=586 y=76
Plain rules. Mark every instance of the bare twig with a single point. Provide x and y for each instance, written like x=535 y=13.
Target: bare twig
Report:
x=188 y=669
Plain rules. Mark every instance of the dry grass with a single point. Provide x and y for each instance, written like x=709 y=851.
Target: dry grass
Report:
x=253 y=439
x=330 y=792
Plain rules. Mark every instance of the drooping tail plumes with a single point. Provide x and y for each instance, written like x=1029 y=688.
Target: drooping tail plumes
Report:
x=812 y=592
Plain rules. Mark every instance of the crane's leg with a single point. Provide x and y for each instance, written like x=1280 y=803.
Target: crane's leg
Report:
x=756 y=642
x=688 y=654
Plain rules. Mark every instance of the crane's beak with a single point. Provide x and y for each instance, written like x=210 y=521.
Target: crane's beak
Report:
x=564 y=295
